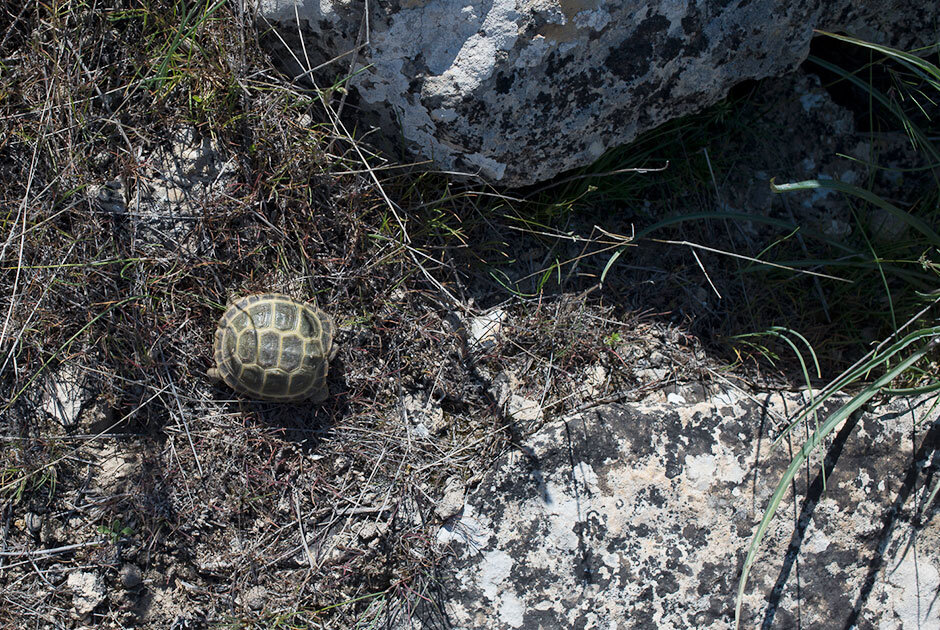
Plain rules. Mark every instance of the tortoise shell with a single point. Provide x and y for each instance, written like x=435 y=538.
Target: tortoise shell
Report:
x=271 y=346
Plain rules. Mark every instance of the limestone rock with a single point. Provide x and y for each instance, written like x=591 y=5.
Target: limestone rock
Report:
x=520 y=90
x=70 y=399
x=424 y=413
x=178 y=178
x=485 y=330
x=452 y=501
x=635 y=516
x=524 y=410
x=88 y=590
x=255 y=597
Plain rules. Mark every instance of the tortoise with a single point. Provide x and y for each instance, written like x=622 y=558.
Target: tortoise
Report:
x=272 y=347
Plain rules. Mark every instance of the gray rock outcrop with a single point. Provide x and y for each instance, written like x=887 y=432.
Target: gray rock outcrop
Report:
x=640 y=516
x=518 y=91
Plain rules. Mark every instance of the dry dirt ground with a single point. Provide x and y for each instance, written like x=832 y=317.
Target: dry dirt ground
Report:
x=134 y=492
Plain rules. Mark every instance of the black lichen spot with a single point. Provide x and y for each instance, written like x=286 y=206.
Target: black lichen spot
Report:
x=666 y=584
x=671 y=48
x=556 y=64
x=641 y=530
x=544 y=101
x=700 y=436
x=695 y=44
x=591 y=528
x=733 y=39
x=525 y=482
x=541 y=619
x=619 y=544
x=530 y=578
x=674 y=463
x=504 y=83
x=717 y=609
x=593 y=445
x=712 y=578
x=714 y=7
x=654 y=496
x=586 y=92
x=632 y=58
x=694 y=535
x=692 y=22
x=586 y=569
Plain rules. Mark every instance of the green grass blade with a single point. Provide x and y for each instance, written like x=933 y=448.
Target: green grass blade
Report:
x=858 y=373
x=900 y=55
x=182 y=34
x=918 y=136
x=610 y=262
x=781 y=333
x=913 y=391
x=806 y=342
x=865 y=195
x=742 y=216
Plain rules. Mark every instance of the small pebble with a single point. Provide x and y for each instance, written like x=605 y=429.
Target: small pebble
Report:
x=88 y=590
x=33 y=522
x=451 y=504
x=130 y=576
x=255 y=596
x=485 y=329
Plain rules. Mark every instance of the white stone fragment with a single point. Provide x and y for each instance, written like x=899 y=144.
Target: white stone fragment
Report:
x=65 y=395
x=452 y=502
x=524 y=409
x=485 y=329
x=88 y=590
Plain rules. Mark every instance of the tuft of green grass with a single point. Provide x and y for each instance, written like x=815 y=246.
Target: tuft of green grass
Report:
x=894 y=363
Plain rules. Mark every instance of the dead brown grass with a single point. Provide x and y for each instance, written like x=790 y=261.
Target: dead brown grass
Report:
x=234 y=513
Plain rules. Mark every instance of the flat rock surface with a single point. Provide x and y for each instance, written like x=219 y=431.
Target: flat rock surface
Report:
x=640 y=516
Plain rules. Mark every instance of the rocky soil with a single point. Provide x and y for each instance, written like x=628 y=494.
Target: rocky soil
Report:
x=511 y=442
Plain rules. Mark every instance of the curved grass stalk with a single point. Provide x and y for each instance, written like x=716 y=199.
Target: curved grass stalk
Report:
x=860 y=372
x=919 y=66
x=743 y=216
x=736 y=216
x=918 y=137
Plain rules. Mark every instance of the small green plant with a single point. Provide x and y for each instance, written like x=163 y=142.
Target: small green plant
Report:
x=116 y=530
x=175 y=56
x=613 y=340
x=16 y=483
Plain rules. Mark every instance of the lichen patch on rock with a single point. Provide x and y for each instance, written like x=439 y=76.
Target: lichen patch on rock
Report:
x=619 y=506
